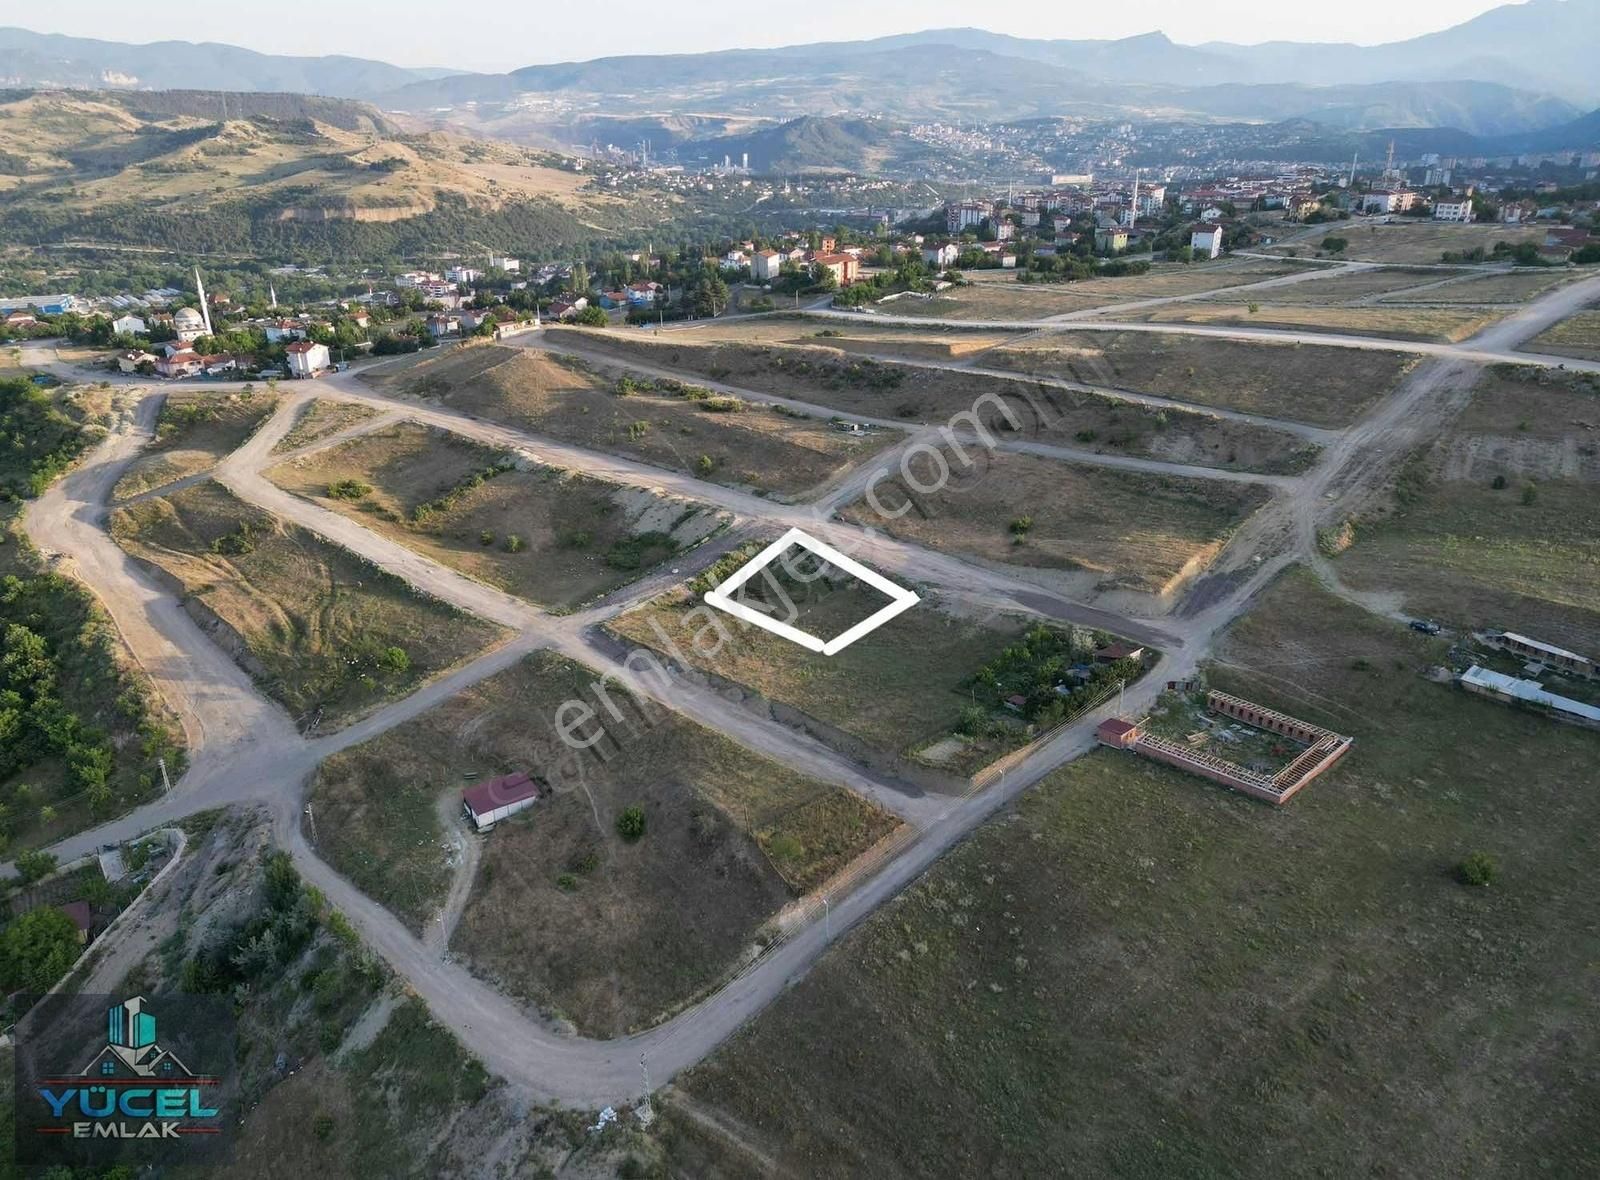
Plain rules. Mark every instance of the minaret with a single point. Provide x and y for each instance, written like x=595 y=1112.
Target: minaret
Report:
x=205 y=308
x=273 y=290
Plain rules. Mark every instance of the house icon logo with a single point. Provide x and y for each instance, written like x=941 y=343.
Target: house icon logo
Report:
x=131 y=1050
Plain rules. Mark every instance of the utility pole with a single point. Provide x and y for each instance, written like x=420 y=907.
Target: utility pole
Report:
x=166 y=782
x=312 y=820
x=827 y=920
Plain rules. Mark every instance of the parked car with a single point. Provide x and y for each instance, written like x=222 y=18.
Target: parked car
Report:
x=1425 y=626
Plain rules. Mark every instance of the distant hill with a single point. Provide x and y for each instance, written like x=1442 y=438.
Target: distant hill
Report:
x=817 y=144
x=36 y=60
x=280 y=174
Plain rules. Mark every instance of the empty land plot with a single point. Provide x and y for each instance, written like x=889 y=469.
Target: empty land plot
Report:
x=320 y=419
x=1333 y=287
x=1117 y=529
x=1498 y=524
x=890 y=693
x=606 y=933
x=1518 y=286
x=320 y=629
x=1003 y=302
x=1407 y=240
x=1444 y=324
x=933 y=343
x=195 y=431
x=1576 y=336
x=555 y=537
x=730 y=441
x=1304 y=382
x=1164 y=281
x=1130 y=947
x=886 y=390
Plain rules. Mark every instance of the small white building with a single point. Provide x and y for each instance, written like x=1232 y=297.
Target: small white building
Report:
x=129 y=325
x=308 y=358
x=1206 y=240
x=765 y=266
x=1453 y=209
x=506 y=263
x=941 y=257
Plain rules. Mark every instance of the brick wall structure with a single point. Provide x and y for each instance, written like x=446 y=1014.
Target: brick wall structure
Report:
x=1323 y=749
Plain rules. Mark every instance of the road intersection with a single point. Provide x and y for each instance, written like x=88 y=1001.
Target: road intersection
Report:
x=245 y=750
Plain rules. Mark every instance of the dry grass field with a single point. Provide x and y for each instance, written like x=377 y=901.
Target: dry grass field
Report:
x=748 y=444
x=1123 y=529
x=320 y=419
x=1445 y=324
x=1334 y=287
x=890 y=693
x=196 y=430
x=1514 y=287
x=881 y=389
x=1302 y=382
x=1133 y=972
x=320 y=630
x=1416 y=240
x=1524 y=555
x=600 y=932
x=1576 y=336
x=555 y=537
x=934 y=343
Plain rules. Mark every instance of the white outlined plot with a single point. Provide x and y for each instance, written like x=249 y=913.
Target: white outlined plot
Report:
x=900 y=599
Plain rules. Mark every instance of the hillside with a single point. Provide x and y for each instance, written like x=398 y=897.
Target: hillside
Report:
x=818 y=144
x=278 y=173
x=39 y=60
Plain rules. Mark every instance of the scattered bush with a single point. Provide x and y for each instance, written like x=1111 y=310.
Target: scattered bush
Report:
x=630 y=823
x=1477 y=869
x=349 y=489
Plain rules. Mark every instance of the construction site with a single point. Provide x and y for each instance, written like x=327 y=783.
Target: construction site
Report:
x=1258 y=751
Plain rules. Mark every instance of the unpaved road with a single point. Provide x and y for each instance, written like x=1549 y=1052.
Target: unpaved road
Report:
x=246 y=750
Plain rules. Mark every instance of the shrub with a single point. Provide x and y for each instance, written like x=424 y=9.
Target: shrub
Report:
x=1478 y=869
x=705 y=465
x=349 y=489
x=322 y=1126
x=1498 y=483
x=1530 y=494
x=513 y=543
x=630 y=823
x=1020 y=526
x=486 y=537
x=567 y=883
x=395 y=659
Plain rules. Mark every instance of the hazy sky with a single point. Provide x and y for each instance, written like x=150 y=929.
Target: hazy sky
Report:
x=505 y=35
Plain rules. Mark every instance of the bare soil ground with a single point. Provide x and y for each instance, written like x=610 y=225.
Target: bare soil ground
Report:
x=1303 y=382
x=1132 y=947
x=314 y=624
x=1576 y=336
x=606 y=934
x=554 y=537
x=1418 y=240
x=886 y=390
x=197 y=428
x=931 y=343
x=1523 y=556
x=753 y=447
x=1444 y=324
x=320 y=419
x=1126 y=530
x=886 y=695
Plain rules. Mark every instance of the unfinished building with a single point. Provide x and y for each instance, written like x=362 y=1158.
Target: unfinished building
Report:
x=1322 y=749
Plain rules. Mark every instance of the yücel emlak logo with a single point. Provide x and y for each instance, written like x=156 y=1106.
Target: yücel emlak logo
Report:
x=128 y=1094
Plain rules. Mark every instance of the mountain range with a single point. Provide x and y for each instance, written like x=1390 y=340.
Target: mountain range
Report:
x=1511 y=70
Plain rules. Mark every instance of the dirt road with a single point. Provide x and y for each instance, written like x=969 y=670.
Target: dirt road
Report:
x=245 y=749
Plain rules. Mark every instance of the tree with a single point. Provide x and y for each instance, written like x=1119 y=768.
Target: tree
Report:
x=37 y=949
x=630 y=823
x=33 y=865
x=592 y=316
